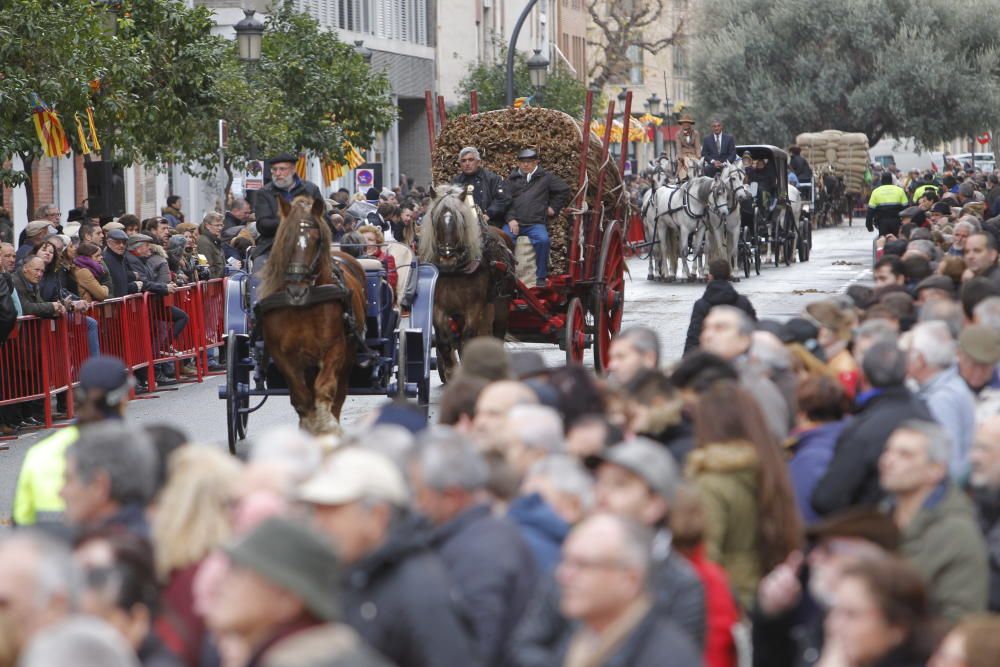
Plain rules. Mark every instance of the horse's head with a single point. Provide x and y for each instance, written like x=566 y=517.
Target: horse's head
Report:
x=300 y=247
x=735 y=178
x=451 y=237
x=718 y=196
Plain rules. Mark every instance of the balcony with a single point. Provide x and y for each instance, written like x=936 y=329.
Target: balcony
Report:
x=398 y=20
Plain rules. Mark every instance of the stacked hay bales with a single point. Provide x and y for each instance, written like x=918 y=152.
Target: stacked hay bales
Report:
x=847 y=152
x=500 y=135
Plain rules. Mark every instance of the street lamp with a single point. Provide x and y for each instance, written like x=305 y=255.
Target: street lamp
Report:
x=363 y=51
x=538 y=72
x=653 y=103
x=249 y=35
x=112 y=8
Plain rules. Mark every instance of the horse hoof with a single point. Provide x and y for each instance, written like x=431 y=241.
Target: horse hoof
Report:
x=650 y=277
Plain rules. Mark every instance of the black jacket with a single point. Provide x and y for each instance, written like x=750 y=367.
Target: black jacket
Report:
x=400 y=600
x=717 y=293
x=679 y=598
x=494 y=571
x=122 y=280
x=791 y=639
x=490 y=194
x=852 y=476
x=268 y=213
x=530 y=201
x=988 y=512
x=800 y=167
x=231 y=221
x=655 y=642
x=144 y=272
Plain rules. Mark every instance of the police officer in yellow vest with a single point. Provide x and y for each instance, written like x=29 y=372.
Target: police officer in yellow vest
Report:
x=103 y=392
x=884 y=206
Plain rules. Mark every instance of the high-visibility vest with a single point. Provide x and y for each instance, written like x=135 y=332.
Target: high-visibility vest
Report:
x=888 y=194
x=923 y=188
x=37 y=498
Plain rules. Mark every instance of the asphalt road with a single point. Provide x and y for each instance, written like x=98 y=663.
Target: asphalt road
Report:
x=840 y=256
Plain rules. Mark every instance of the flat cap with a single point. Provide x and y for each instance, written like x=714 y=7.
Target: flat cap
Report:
x=981 y=344
x=108 y=226
x=138 y=239
x=354 y=474
x=936 y=282
x=648 y=460
x=910 y=211
x=528 y=154
x=284 y=157
x=37 y=227
x=117 y=235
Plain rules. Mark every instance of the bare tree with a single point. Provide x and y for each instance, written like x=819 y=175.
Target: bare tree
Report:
x=621 y=26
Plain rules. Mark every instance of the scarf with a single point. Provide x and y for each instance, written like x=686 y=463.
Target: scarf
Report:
x=94 y=267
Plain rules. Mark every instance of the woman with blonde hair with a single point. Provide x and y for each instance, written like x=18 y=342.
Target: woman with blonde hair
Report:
x=193 y=520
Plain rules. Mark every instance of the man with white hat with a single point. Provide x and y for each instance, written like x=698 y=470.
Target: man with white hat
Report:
x=396 y=593
x=34 y=235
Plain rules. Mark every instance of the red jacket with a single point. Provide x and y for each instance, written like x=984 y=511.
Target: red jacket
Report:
x=389 y=262
x=720 y=610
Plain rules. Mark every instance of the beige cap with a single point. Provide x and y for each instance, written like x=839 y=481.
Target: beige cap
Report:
x=108 y=226
x=352 y=474
x=981 y=344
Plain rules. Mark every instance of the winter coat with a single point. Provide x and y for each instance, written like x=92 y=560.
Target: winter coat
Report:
x=268 y=214
x=122 y=278
x=530 y=200
x=210 y=246
x=31 y=299
x=489 y=192
x=953 y=405
x=677 y=438
x=793 y=638
x=655 y=642
x=324 y=645
x=852 y=476
x=812 y=452
x=678 y=597
x=944 y=542
x=987 y=503
x=90 y=288
x=721 y=610
x=769 y=397
x=541 y=528
x=401 y=601
x=173 y=215
x=493 y=570
x=231 y=221
x=158 y=264
x=717 y=293
x=726 y=474
x=142 y=268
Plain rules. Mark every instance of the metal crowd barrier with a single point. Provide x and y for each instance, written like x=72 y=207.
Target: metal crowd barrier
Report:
x=42 y=357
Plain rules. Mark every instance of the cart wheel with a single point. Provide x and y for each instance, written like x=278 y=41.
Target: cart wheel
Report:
x=745 y=258
x=236 y=421
x=575 y=336
x=609 y=297
x=401 y=363
x=805 y=242
x=789 y=238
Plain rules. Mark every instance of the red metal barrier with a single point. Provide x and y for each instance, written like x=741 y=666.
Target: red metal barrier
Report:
x=28 y=371
x=189 y=343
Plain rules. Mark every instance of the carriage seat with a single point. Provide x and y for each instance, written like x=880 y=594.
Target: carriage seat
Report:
x=370 y=264
x=378 y=298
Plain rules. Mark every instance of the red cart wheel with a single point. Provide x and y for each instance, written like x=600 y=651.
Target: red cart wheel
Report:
x=575 y=335
x=609 y=296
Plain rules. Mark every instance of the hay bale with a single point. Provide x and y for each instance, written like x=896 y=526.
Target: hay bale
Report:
x=500 y=135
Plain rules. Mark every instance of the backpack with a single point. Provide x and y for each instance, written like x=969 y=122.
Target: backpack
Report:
x=9 y=310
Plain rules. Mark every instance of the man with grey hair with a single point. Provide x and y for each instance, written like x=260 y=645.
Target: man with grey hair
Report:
x=37 y=585
x=532 y=433
x=238 y=213
x=936 y=519
x=485 y=555
x=987 y=312
x=488 y=189
x=110 y=476
x=606 y=592
x=633 y=350
x=931 y=364
x=81 y=641
x=884 y=403
x=944 y=310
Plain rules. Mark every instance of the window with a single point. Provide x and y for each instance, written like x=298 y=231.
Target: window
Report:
x=402 y=20
x=634 y=55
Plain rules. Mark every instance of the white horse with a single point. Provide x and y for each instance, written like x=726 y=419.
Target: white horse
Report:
x=724 y=232
x=673 y=218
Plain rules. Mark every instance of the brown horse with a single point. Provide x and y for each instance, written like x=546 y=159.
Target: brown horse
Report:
x=311 y=305
x=468 y=297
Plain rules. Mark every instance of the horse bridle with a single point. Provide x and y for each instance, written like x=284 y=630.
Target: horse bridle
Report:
x=447 y=250
x=299 y=272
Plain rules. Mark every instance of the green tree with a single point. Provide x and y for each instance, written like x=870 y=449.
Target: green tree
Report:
x=884 y=67
x=562 y=91
x=310 y=93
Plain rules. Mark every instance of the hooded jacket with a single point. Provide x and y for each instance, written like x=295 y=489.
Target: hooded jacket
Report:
x=812 y=452
x=542 y=529
x=717 y=293
x=401 y=601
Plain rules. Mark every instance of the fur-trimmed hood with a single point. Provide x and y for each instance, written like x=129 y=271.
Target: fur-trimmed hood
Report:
x=723 y=457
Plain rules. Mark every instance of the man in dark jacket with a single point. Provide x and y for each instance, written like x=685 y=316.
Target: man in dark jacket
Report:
x=718 y=292
x=285 y=183
x=606 y=591
x=536 y=196
x=799 y=165
x=123 y=280
x=485 y=555
x=717 y=148
x=138 y=262
x=237 y=214
x=489 y=192
x=395 y=591
x=26 y=282
x=852 y=478
x=984 y=483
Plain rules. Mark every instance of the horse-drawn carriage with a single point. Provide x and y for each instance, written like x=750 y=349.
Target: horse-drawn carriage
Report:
x=772 y=222
x=320 y=325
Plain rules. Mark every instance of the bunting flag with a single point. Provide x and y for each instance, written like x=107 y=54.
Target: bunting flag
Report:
x=80 y=136
x=300 y=166
x=333 y=170
x=49 y=129
x=522 y=102
x=95 y=144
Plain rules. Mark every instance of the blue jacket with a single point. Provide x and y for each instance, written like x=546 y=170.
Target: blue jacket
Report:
x=953 y=406
x=542 y=529
x=813 y=452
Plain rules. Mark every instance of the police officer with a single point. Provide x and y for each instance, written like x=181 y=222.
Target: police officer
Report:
x=103 y=393
x=884 y=206
x=489 y=192
x=536 y=196
x=285 y=183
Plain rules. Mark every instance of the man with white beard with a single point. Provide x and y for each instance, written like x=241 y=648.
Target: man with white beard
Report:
x=285 y=183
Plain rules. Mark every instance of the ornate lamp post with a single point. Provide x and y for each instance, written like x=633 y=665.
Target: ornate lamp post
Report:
x=538 y=71
x=249 y=35
x=363 y=51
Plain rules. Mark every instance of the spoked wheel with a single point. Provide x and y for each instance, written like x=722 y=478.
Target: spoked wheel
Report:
x=788 y=238
x=236 y=405
x=609 y=297
x=575 y=335
x=744 y=256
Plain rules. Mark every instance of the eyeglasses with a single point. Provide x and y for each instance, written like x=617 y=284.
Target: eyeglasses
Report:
x=591 y=564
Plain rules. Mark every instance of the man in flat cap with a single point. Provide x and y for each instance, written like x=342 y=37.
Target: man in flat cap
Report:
x=284 y=183
x=536 y=197
x=34 y=235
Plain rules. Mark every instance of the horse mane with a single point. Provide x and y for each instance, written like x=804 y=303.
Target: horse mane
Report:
x=450 y=198
x=273 y=279
x=700 y=187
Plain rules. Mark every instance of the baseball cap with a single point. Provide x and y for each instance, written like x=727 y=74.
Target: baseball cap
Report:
x=117 y=235
x=980 y=343
x=352 y=474
x=103 y=372
x=648 y=460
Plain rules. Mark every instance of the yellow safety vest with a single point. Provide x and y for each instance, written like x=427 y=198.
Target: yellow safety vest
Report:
x=37 y=498
x=923 y=188
x=888 y=194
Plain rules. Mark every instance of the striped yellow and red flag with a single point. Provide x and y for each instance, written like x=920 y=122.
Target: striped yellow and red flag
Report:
x=50 y=132
x=300 y=166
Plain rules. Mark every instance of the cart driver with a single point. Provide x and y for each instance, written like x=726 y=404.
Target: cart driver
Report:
x=763 y=173
x=489 y=190
x=687 y=147
x=284 y=183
